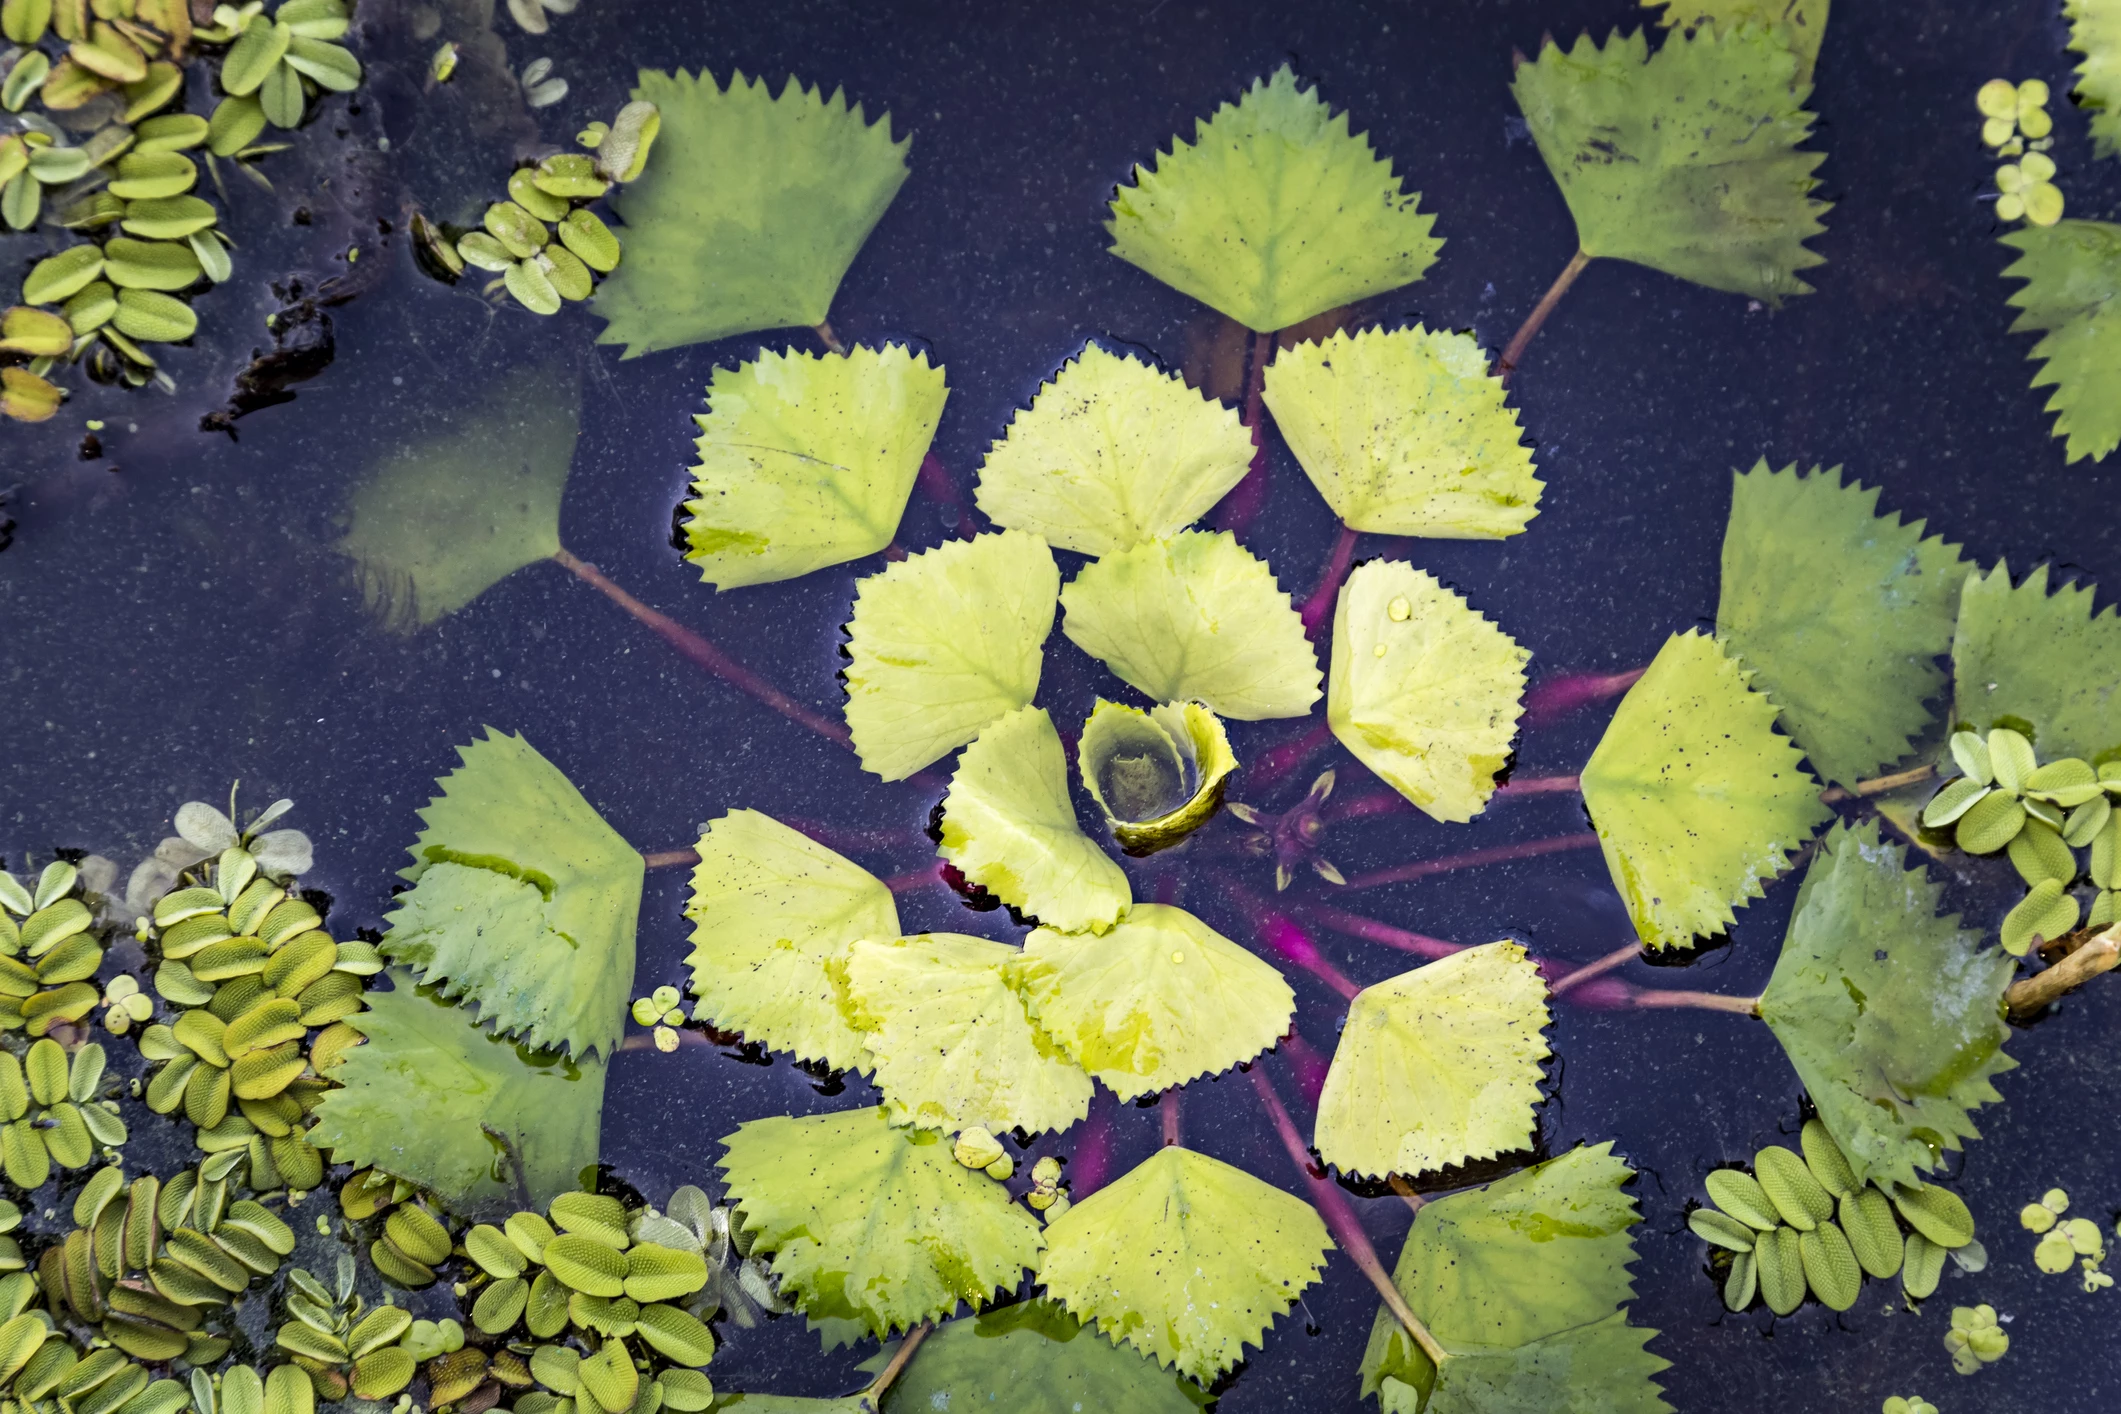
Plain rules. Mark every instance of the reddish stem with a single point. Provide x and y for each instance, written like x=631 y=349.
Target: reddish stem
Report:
x=1292 y=944
x=919 y=878
x=705 y=654
x=1705 y=1001
x=670 y=858
x=1473 y=858
x=1540 y=785
x=1309 y=1065
x=1279 y=761
x=1507 y=364
x=1619 y=957
x=1362 y=807
x=1561 y=977
x=1340 y=1219
x=935 y=478
x=1174 y=1121
x=1557 y=697
x=1319 y=607
x=1093 y=1152
x=1238 y=509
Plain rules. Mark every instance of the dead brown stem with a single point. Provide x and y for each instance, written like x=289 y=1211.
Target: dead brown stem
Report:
x=2096 y=954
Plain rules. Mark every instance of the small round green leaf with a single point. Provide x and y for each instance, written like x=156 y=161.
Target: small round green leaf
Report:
x=256 y=53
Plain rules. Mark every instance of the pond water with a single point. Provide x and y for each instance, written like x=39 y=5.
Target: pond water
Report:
x=173 y=616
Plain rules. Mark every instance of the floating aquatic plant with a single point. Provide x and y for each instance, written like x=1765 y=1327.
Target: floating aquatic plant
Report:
x=1799 y=24
x=755 y=209
x=1274 y=212
x=2095 y=32
x=2035 y=655
x=1695 y=799
x=2072 y=298
x=1158 y=775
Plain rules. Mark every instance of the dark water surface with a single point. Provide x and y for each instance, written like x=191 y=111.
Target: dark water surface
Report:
x=172 y=617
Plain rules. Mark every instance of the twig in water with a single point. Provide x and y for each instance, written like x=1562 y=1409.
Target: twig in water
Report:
x=1618 y=957
x=872 y=1397
x=2087 y=960
x=1511 y=356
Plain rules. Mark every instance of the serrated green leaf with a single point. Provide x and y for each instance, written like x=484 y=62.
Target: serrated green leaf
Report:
x=1695 y=799
x=1404 y=432
x=1112 y=453
x=1892 y=1015
x=769 y=908
x=416 y=1100
x=1032 y=1358
x=1840 y=612
x=1524 y=1284
x=807 y=461
x=875 y=1225
x=2095 y=32
x=1800 y=24
x=470 y=495
x=943 y=643
x=1684 y=160
x=1198 y=618
x=523 y=900
x=951 y=1044
x=1184 y=1258
x=2072 y=296
x=1425 y=691
x=1274 y=212
x=1009 y=826
x=2041 y=658
x=749 y=214
x=1160 y=1000
x=1437 y=1066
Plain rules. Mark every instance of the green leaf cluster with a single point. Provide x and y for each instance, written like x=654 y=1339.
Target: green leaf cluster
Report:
x=2072 y=298
x=1524 y=1284
x=750 y=214
x=1892 y=1015
x=1840 y=613
x=1274 y=212
x=1685 y=160
x=2026 y=657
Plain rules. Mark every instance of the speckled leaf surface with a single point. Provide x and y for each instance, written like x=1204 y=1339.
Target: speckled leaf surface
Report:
x=1697 y=802
x=1892 y=1015
x=1840 y=612
x=1801 y=24
x=1274 y=212
x=1033 y=1358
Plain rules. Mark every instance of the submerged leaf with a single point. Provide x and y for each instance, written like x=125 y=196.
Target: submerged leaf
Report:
x=1033 y=1358
x=1185 y=1258
x=1684 y=160
x=807 y=461
x=1404 y=432
x=1425 y=691
x=417 y=1099
x=523 y=900
x=750 y=213
x=951 y=1044
x=1195 y=618
x=1437 y=1066
x=873 y=1225
x=1820 y=591
x=2072 y=297
x=1695 y=799
x=1112 y=453
x=944 y=642
x=1009 y=826
x=1160 y=1000
x=1892 y=1015
x=1274 y=212
x=2026 y=655
x=1524 y=1284
x=2095 y=32
x=440 y=520
x=769 y=908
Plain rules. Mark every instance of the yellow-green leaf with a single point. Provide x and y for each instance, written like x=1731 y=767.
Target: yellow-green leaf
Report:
x=1425 y=690
x=949 y=1039
x=1195 y=617
x=2095 y=32
x=1697 y=802
x=769 y=908
x=1185 y=1258
x=2072 y=298
x=1009 y=826
x=1404 y=432
x=807 y=461
x=1800 y=24
x=1112 y=453
x=1437 y=1066
x=1274 y=212
x=944 y=642
x=1158 y=1001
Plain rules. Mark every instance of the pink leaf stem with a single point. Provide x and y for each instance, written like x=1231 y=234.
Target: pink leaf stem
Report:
x=1319 y=607
x=1293 y=945
x=1236 y=511
x=1277 y=762
x=1473 y=859
x=1558 y=697
x=936 y=480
